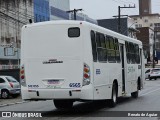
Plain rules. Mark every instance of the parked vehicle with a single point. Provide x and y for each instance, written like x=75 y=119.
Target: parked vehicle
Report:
x=147 y=73
x=9 y=86
x=152 y=73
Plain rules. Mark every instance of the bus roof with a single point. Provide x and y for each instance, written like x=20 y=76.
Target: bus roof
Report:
x=73 y=22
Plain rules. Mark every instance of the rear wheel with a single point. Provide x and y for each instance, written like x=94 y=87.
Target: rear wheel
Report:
x=63 y=104
x=5 y=94
x=113 y=100
x=134 y=94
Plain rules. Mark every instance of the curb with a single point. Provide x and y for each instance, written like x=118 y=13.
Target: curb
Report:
x=8 y=104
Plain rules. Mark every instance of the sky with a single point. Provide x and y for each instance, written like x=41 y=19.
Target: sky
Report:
x=103 y=9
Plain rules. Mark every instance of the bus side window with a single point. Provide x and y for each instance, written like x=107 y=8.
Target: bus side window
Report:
x=100 y=38
x=103 y=45
x=111 y=50
x=130 y=52
x=137 y=54
x=107 y=42
x=117 y=50
x=94 y=47
x=127 y=52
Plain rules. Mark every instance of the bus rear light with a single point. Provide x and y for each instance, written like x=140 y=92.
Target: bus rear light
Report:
x=22 y=71
x=86 y=69
x=86 y=75
x=22 y=76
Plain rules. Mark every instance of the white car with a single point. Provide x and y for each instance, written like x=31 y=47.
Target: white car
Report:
x=152 y=73
x=9 y=86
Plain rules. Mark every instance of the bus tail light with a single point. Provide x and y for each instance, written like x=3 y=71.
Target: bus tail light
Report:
x=86 y=75
x=22 y=76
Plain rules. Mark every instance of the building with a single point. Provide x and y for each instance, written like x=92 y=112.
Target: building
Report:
x=13 y=14
x=41 y=10
x=146 y=35
x=145 y=7
x=147 y=20
x=127 y=26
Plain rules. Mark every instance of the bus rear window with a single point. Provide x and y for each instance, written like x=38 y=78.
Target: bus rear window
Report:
x=74 y=32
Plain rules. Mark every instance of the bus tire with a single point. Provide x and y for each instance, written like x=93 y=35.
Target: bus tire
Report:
x=63 y=104
x=134 y=94
x=113 y=101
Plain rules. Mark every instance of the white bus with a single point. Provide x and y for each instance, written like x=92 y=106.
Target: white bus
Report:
x=68 y=61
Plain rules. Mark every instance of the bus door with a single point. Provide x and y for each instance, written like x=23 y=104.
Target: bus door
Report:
x=141 y=67
x=123 y=67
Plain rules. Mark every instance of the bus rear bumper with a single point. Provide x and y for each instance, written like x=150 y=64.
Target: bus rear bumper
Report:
x=46 y=94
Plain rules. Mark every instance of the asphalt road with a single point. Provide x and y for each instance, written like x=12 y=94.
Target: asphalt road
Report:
x=149 y=100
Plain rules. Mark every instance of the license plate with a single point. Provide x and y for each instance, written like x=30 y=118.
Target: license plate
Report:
x=17 y=91
x=53 y=82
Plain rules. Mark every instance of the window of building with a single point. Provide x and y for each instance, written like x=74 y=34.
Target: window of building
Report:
x=146 y=20
x=135 y=18
x=151 y=24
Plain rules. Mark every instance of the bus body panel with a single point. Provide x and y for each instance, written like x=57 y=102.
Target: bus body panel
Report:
x=54 y=63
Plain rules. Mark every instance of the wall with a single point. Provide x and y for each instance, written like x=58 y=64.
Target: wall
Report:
x=13 y=15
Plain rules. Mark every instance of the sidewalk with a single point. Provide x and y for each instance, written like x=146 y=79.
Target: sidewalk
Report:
x=10 y=101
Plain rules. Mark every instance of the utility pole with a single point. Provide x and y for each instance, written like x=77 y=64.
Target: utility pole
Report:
x=74 y=11
x=119 y=16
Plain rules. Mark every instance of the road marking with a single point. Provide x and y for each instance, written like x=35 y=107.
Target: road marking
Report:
x=150 y=92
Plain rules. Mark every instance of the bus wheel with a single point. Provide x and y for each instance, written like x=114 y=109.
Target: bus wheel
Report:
x=134 y=94
x=113 y=100
x=63 y=104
